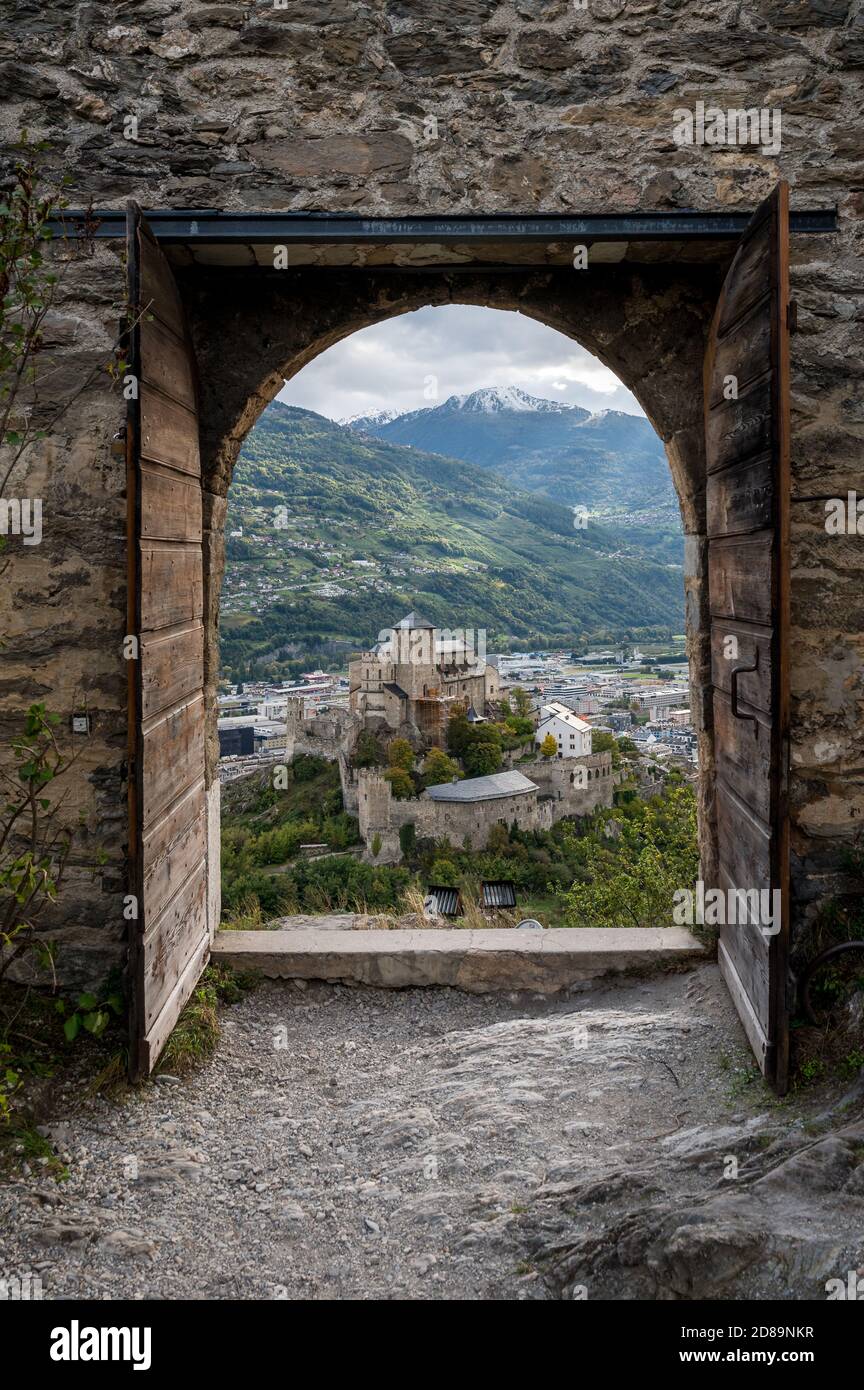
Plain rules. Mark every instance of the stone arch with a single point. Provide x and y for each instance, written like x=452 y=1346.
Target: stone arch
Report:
x=647 y=322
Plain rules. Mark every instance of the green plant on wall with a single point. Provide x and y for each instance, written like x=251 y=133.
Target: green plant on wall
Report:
x=34 y=841
x=28 y=284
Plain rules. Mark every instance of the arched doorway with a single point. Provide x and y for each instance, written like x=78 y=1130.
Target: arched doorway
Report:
x=648 y=319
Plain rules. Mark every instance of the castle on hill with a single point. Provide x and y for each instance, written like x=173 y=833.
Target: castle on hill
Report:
x=416 y=673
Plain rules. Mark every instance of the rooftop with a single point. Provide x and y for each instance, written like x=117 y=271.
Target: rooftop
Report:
x=498 y=784
x=555 y=710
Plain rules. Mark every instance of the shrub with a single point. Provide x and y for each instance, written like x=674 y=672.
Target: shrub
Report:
x=481 y=758
x=400 y=753
x=401 y=782
x=438 y=768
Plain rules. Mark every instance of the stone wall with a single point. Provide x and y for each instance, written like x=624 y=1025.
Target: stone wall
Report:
x=537 y=106
x=578 y=786
x=559 y=794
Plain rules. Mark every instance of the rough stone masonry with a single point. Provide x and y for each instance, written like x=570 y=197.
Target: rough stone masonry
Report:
x=448 y=106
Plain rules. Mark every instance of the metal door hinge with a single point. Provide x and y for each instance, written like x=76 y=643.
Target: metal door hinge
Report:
x=792 y=316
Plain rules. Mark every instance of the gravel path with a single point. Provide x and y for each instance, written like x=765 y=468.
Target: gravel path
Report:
x=421 y=1144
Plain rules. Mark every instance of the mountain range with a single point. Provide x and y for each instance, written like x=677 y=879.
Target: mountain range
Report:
x=335 y=530
x=610 y=462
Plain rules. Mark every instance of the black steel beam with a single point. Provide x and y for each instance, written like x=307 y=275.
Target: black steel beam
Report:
x=188 y=226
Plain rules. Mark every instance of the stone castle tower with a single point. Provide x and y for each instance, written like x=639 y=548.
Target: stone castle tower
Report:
x=293 y=724
x=373 y=802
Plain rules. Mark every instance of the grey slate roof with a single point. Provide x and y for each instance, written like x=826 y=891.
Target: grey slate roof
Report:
x=412 y=621
x=498 y=784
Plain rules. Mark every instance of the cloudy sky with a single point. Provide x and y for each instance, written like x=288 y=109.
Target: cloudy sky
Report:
x=418 y=360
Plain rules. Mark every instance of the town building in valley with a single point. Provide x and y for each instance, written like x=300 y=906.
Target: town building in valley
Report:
x=571 y=733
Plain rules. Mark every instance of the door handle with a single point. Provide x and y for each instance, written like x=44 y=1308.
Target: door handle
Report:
x=742 y=671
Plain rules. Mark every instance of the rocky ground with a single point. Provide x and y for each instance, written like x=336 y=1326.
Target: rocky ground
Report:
x=427 y=1144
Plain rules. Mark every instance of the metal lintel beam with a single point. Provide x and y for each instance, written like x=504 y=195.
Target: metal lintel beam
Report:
x=188 y=226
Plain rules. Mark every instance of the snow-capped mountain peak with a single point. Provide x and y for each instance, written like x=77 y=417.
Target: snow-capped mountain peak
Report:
x=490 y=399
x=372 y=417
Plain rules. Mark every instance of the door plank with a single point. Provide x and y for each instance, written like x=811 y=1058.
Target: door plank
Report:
x=742 y=755
x=173 y=756
x=171 y=665
x=739 y=499
x=753 y=649
x=169 y=431
x=741 y=578
x=171 y=505
x=172 y=585
x=166 y=361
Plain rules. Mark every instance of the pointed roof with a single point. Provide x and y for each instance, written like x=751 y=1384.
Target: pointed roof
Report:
x=413 y=621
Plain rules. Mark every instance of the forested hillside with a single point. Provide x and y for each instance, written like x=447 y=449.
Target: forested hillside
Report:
x=343 y=532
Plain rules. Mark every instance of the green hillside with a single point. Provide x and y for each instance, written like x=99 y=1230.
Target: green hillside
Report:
x=343 y=533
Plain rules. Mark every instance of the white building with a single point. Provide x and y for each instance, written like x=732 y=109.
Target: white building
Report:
x=571 y=733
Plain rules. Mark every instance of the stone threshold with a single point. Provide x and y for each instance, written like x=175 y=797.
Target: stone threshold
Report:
x=477 y=961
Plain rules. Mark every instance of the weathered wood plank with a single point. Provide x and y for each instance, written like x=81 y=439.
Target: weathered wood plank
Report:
x=744 y=352
x=152 y=1043
x=753 y=649
x=171 y=942
x=751 y=1021
x=740 y=578
x=169 y=432
x=172 y=585
x=171 y=505
x=745 y=842
x=171 y=668
x=172 y=847
x=160 y=297
x=173 y=757
x=743 y=757
x=748 y=280
x=749 y=950
x=166 y=360
x=737 y=429
x=739 y=499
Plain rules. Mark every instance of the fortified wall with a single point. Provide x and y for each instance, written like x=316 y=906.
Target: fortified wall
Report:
x=562 y=791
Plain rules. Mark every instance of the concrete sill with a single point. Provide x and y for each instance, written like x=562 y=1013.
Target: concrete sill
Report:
x=477 y=961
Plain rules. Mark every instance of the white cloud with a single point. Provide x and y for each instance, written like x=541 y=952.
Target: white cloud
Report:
x=384 y=367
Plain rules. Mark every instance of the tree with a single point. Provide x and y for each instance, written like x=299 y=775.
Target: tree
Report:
x=401 y=782
x=407 y=839
x=444 y=874
x=481 y=758
x=400 y=753
x=520 y=725
x=437 y=768
x=521 y=701
x=549 y=746
x=630 y=880
x=458 y=734
x=368 y=752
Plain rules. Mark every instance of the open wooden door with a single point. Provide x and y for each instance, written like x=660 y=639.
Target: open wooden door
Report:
x=168 y=818
x=747 y=444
